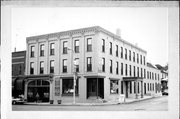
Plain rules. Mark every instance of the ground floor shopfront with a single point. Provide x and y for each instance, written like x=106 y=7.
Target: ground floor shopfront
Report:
x=49 y=88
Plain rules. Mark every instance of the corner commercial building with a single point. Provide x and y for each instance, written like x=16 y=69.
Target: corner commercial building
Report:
x=106 y=66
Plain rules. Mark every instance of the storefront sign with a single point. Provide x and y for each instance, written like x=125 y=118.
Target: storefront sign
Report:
x=57 y=87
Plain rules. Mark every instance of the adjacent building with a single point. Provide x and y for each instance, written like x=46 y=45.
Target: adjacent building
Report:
x=18 y=72
x=106 y=66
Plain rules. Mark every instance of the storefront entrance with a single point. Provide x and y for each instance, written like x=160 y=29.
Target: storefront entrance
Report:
x=38 y=91
x=95 y=87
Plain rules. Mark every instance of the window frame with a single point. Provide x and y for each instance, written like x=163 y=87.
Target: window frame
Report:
x=110 y=49
x=32 y=51
x=65 y=49
x=51 y=67
x=31 y=68
x=76 y=47
x=117 y=53
x=129 y=55
x=70 y=84
x=116 y=83
x=42 y=48
x=89 y=66
x=52 y=50
x=77 y=66
x=111 y=67
x=64 y=70
x=103 y=45
x=103 y=64
x=41 y=71
x=126 y=53
x=89 y=46
x=121 y=52
x=117 y=67
x=121 y=68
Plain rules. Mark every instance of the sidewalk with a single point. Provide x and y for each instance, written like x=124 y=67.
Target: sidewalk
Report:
x=113 y=102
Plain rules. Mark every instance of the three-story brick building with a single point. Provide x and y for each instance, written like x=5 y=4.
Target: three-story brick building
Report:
x=106 y=65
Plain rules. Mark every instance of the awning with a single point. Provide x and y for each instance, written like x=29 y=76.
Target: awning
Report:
x=19 y=84
x=13 y=80
x=132 y=79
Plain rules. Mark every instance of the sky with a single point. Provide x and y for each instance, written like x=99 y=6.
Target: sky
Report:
x=145 y=26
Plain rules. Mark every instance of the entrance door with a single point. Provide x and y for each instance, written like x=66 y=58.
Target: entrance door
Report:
x=91 y=87
x=144 y=88
x=126 y=83
x=40 y=88
x=95 y=87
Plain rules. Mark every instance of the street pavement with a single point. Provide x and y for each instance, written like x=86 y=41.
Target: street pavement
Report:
x=154 y=104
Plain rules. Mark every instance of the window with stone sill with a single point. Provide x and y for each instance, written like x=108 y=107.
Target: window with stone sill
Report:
x=42 y=50
x=32 y=51
x=65 y=47
x=89 y=44
x=52 y=49
x=76 y=46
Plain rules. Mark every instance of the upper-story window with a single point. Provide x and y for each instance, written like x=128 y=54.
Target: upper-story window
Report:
x=110 y=49
x=147 y=74
x=32 y=68
x=52 y=66
x=103 y=64
x=144 y=73
x=144 y=60
x=65 y=47
x=126 y=70
x=42 y=50
x=121 y=52
x=155 y=76
x=130 y=70
x=77 y=64
x=89 y=44
x=137 y=71
x=110 y=66
x=150 y=75
x=76 y=46
x=52 y=49
x=129 y=55
x=137 y=58
x=117 y=67
x=32 y=51
x=125 y=53
x=41 y=67
x=89 y=63
x=134 y=71
x=117 y=50
x=64 y=65
x=141 y=59
x=133 y=56
x=121 y=68
x=158 y=77
x=103 y=45
x=141 y=72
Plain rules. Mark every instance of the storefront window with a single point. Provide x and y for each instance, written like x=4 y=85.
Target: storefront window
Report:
x=114 y=87
x=68 y=86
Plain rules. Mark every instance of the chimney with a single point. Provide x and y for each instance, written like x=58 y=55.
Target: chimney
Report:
x=15 y=49
x=118 y=32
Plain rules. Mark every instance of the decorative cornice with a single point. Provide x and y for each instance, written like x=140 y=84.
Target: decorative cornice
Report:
x=95 y=29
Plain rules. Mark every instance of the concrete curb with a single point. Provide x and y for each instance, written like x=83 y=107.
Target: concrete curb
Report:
x=89 y=104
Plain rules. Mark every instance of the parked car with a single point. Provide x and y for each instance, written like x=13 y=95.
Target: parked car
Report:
x=165 y=92
x=19 y=100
